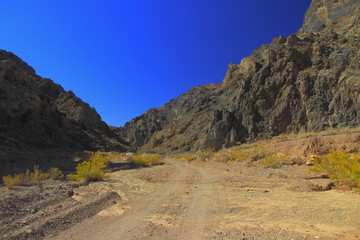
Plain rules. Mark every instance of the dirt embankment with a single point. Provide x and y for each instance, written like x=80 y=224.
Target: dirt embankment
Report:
x=305 y=146
x=35 y=211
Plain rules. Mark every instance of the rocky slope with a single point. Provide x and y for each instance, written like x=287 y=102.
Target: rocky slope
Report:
x=309 y=81
x=37 y=113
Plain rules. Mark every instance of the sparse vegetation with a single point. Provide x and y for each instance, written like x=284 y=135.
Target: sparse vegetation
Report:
x=253 y=153
x=275 y=161
x=38 y=175
x=29 y=178
x=330 y=131
x=186 y=156
x=245 y=153
x=340 y=166
x=55 y=173
x=93 y=170
x=145 y=159
x=270 y=161
x=204 y=155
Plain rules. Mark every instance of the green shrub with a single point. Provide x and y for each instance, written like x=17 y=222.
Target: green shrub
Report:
x=145 y=160
x=92 y=170
x=340 y=166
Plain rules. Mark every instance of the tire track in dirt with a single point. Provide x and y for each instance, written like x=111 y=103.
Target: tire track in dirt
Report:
x=179 y=204
x=195 y=214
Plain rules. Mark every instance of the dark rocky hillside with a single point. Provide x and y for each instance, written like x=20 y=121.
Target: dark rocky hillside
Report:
x=309 y=81
x=39 y=114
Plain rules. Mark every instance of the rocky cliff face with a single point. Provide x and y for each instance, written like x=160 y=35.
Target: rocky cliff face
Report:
x=36 y=112
x=309 y=81
x=341 y=16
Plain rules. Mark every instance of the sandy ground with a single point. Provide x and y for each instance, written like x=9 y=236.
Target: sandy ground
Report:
x=212 y=200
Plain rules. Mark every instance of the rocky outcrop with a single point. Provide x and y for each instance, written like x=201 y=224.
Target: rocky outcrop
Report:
x=36 y=112
x=309 y=81
x=339 y=15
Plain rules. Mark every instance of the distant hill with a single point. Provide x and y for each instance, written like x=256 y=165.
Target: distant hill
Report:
x=36 y=113
x=309 y=81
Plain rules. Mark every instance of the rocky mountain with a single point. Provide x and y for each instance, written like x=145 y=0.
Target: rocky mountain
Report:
x=37 y=113
x=308 y=81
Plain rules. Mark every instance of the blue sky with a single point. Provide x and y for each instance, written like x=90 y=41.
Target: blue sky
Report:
x=126 y=56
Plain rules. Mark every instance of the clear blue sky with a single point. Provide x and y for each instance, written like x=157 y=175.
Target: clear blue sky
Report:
x=126 y=56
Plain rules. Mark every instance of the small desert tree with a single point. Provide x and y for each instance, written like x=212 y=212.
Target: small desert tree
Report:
x=92 y=170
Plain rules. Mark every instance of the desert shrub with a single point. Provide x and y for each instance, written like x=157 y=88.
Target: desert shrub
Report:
x=340 y=166
x=238 y=155
x=191 y=156
x=9 y=181
x=186 y=156
x=271 y=161
x=37 y=175
x=253 y=153
x=55 y=173
x=275 y=160
x=222 y=156
x=52 y=174
x=206 y=154
x=93 y=170
x=17 y=179
x=29 y=178
x=257 y=153
x=145 y=159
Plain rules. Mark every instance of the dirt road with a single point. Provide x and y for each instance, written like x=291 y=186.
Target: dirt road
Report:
x=210 y=200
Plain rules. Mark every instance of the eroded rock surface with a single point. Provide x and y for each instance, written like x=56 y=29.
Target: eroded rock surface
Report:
x=309 y=81
x=37 y=113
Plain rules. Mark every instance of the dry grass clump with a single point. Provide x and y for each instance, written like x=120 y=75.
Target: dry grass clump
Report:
x=186 y=156
x=30 y=178
x=245 y=153
x=117 y=156
x=19 y=179
x=340 y=166
x=252 y=154
x=204 y=155
x=51 y=174
x=55 y=173
x=145 y=159
x=93 y=170
x=274 y=161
